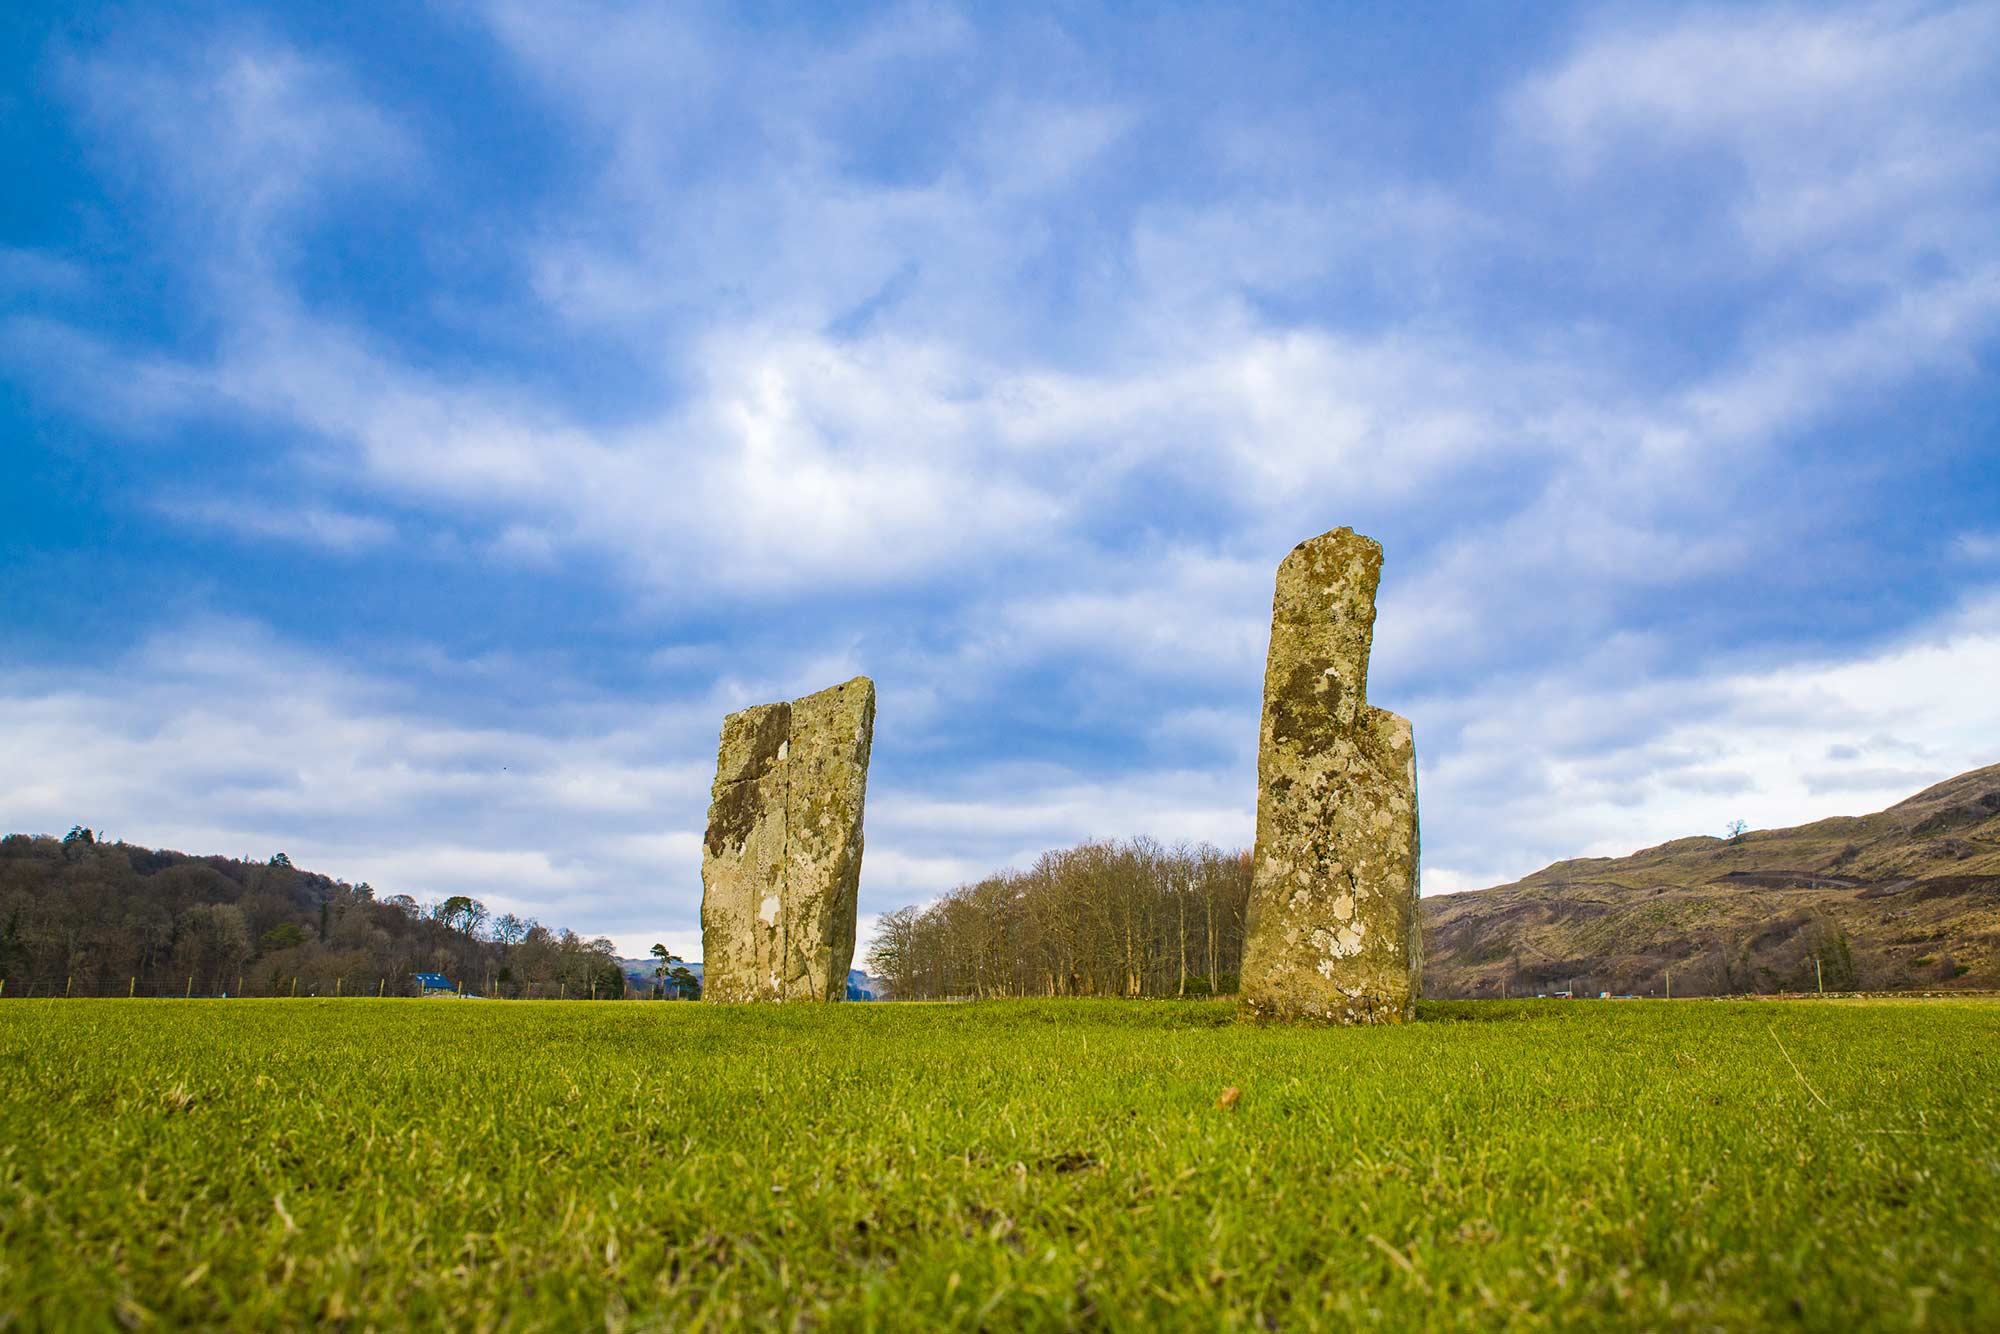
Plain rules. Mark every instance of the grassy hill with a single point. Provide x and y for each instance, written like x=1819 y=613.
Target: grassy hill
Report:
x=1904 y=899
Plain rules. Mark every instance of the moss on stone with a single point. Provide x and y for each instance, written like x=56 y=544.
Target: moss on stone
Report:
x=781 y=874
x=1332 y=933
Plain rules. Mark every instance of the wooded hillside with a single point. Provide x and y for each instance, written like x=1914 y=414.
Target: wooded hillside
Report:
x=99 y=918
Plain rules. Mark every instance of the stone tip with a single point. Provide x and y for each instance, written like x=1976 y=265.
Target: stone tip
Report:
x=1342 y=535
x=852 y=681
x=861 y=685
x=1331 y=580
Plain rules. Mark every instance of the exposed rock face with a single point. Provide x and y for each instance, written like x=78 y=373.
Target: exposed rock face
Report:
x=781 y=862
x=1333 y=933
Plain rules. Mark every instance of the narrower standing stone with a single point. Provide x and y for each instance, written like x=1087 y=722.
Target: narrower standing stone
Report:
x=781 y=865
x=1333 y=932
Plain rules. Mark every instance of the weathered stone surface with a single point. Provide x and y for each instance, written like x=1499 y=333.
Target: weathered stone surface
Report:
x=1333 y=933
x=781 y=863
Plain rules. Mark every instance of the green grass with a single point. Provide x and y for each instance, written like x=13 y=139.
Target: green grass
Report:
x=1005 y=1164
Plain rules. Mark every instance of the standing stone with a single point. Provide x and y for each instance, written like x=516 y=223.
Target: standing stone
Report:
x=1333 y=932
x=781 y=864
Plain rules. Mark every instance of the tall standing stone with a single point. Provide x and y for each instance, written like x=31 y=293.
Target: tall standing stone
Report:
x=781 y=863
x=1333 y=932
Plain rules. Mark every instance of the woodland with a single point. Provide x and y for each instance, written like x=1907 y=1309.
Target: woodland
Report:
x=1132 y=918
x=83 y=916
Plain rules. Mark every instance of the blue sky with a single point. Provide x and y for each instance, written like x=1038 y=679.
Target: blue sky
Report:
x=421 y=423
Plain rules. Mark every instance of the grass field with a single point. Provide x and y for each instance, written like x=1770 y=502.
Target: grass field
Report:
x=488 y=1165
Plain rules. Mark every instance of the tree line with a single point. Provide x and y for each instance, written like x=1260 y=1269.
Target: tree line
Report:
x=90 y=917
x=1130 y=918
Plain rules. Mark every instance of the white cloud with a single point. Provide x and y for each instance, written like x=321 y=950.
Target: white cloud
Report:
x=1000 y=815
x=1977 y=547
x=524 y=544
x=251 y=132
x=329 y=529
x=865 y=385
x=28 y=271
x=1841 y=117
x=216 y=738
x=136 y=393
x=1185 y=617
x=940 y=444
x=1542 y=770
x=219 y=739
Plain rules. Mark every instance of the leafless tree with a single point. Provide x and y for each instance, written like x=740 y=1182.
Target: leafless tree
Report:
x=1117 y=919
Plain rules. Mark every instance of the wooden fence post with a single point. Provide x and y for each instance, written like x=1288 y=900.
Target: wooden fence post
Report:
x=190 y=994
x=67 y=980
x=295 y=986
x=132 y=990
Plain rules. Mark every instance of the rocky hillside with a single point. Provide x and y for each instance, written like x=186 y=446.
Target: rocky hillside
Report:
x=1905 y=899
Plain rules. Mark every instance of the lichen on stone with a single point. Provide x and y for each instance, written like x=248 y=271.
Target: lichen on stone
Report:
x=1333 y=934
x=781 y=869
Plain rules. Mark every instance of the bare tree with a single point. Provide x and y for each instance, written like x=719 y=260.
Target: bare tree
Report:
x=1130 y=919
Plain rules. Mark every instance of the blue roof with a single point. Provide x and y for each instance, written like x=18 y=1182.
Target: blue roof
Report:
x=434 y=979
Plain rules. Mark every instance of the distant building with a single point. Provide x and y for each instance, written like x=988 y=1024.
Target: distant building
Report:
x=429 y=982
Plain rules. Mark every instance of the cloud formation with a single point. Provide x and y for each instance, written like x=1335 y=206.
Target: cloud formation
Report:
x=671 y=363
